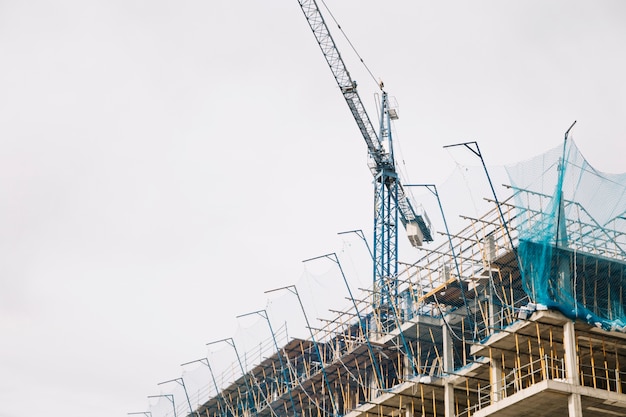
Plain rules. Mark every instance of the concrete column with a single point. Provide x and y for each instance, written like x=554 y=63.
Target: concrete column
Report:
x=495 y=378
x=494 y=309
x=448 y=367
x=571 y=359
x=574 y=405
x=448 y=398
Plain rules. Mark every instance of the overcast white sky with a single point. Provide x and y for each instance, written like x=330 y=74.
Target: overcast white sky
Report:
x=162 y=163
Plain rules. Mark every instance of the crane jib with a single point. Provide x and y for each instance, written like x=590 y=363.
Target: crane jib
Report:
x=382 y=158
x=374 y=146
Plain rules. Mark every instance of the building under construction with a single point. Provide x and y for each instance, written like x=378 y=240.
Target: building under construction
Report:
x=520 y=313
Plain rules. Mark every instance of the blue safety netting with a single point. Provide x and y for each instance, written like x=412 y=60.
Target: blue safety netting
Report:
x=571 y=225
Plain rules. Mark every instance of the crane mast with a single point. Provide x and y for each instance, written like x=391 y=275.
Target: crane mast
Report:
x=391 y=202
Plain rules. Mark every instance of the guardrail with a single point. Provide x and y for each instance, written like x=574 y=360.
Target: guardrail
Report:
x=517 y=379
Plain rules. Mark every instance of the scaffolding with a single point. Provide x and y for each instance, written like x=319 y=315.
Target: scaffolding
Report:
x=469 y=333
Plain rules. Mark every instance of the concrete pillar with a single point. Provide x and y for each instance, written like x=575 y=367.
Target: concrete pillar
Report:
x=448 y=367
x=571 y=360
x=495 y=367
x=448 y=398
x=574 y=405
x=495 y=378
x=494 y=309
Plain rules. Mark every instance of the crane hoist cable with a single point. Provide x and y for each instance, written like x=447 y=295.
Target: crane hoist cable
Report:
x=391 y=202
x=379 y=83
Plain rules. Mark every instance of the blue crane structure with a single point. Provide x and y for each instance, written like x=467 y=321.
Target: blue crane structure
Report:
x=391 y=203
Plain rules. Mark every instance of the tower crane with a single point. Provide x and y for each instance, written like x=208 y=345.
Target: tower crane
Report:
x=391 y=203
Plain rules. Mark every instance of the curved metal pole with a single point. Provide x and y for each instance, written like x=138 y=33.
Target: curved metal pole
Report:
x=169 y=397
x=358 y=314
x=292 y=289
x=560 y=190
x=433 y=189
x=181 y=381
x=205 y=361
x=493 y=191
x=231 y=342
x=360 y=234
x=263 y=313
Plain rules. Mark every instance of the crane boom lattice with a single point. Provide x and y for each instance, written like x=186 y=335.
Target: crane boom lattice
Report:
x=391 y=202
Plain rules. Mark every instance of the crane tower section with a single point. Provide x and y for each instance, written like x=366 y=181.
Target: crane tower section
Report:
x=391 y=202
